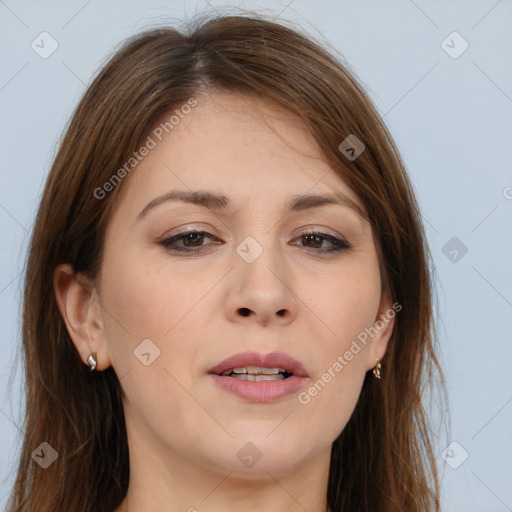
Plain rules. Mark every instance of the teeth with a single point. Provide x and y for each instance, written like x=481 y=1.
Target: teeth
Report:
x=256 y=378
x=255 y=370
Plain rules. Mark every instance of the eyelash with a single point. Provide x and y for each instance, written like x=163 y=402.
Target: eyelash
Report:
x=339 y=245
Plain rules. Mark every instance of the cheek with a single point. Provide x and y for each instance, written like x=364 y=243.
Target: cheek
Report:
x=145 y=303
x=345 y=301
x=328 y=403
x=146 y=297
x=340 y=369
x=141 y=301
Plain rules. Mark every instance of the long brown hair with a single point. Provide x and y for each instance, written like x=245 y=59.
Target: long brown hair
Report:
x=383 y=460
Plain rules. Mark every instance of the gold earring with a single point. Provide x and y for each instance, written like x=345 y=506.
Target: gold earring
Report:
x=376 y=370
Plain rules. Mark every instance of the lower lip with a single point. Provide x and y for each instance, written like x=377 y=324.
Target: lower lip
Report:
x=261 y=392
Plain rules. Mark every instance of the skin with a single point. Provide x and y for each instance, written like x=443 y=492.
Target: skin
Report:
x=183 y=431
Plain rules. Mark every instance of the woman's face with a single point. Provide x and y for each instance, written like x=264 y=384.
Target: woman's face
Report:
x=252 y=282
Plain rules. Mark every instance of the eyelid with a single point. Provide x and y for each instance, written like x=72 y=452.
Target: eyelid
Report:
x=338 y=242
x=322 y=230
x=315 y=229
x=179 y=235
x=188 y=229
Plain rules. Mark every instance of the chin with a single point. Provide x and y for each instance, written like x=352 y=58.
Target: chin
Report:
x=255 y=456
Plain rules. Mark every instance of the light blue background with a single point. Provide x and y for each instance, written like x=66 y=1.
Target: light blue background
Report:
x=452 y=121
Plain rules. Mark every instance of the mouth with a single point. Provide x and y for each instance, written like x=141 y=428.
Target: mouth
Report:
x=249 y=364
x=260 y=377
x=257 y=373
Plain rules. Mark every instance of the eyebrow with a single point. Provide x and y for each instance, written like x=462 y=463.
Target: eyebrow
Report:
x=216 y=201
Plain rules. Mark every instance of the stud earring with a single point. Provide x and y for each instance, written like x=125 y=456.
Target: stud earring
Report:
x=92 y=361
x=376 y=370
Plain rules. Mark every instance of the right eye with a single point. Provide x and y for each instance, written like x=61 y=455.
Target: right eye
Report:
x=192 y=240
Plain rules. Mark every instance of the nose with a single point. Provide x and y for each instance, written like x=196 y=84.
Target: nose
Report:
x=261 y=291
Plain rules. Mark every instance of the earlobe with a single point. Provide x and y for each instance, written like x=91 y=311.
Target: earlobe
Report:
x=81 y=314
x=383 y=329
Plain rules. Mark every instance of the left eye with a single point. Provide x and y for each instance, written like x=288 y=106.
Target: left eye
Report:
x=318 y=238
x=193 y=241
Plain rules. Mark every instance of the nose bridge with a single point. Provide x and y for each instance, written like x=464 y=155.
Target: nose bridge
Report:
x=260 y=257
x=261 y=276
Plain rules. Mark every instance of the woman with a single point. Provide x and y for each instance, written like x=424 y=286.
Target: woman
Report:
x=227 y=297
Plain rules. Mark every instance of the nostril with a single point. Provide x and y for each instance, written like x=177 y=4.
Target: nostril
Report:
x=245 y=311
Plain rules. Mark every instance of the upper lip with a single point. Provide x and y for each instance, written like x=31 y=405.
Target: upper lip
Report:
x=270 y=360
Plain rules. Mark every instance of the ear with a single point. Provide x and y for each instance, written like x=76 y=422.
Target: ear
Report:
x=380 y=332
x=80 y=309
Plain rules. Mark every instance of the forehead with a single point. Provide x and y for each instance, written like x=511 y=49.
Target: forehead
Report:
x=247 y=149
